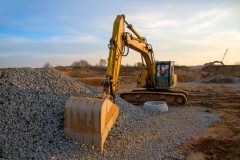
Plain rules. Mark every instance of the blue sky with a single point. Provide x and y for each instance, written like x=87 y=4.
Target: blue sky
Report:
x=62 y=31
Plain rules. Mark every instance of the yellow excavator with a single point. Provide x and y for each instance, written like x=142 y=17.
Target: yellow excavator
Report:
x=89 y=120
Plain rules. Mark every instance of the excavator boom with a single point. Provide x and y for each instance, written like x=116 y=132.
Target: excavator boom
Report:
x=119 y=40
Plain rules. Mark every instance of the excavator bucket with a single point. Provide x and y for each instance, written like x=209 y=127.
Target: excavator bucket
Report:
x=89 y=120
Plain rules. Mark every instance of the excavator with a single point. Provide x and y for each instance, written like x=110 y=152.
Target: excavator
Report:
x=89 y=120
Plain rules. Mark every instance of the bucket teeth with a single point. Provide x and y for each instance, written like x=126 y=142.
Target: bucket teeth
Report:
x=89 y=120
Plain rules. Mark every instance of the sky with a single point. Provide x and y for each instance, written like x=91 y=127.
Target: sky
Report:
x=62 y=31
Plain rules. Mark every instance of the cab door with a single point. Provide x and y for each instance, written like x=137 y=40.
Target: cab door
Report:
x=163 y=70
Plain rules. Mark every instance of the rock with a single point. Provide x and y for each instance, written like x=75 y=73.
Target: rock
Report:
x=155 y=106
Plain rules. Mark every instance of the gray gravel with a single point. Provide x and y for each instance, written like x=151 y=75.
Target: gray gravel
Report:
x=31 y=111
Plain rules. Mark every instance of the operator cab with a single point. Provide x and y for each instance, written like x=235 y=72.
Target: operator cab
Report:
x=164 y=76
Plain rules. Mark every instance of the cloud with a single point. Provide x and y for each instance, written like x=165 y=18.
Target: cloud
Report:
x=200 y=32
x=208 y=19
x=190 y=32
x=72 y=39
x=190 y=21
x=151 y=20
x=11 y=40
x=58 y=59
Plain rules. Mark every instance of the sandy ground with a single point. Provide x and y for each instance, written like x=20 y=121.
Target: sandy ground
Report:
x=222 y=139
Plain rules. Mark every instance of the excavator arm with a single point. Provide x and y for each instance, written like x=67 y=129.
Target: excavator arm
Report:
x=119 y=41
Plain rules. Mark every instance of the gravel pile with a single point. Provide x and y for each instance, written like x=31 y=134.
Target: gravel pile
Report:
x=31 y=110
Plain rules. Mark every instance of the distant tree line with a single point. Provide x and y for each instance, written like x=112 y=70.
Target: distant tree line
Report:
x=101 y=63
x=85 y=63
x=237 y=63
x=47 y=65
x=80 y=63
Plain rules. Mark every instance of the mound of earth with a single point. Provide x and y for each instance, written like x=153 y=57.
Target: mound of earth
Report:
x=221 y=80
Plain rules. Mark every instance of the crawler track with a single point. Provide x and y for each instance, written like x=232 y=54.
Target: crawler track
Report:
x=140 y=96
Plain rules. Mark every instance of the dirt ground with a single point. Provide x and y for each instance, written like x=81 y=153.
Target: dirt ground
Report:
x=222 y=139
